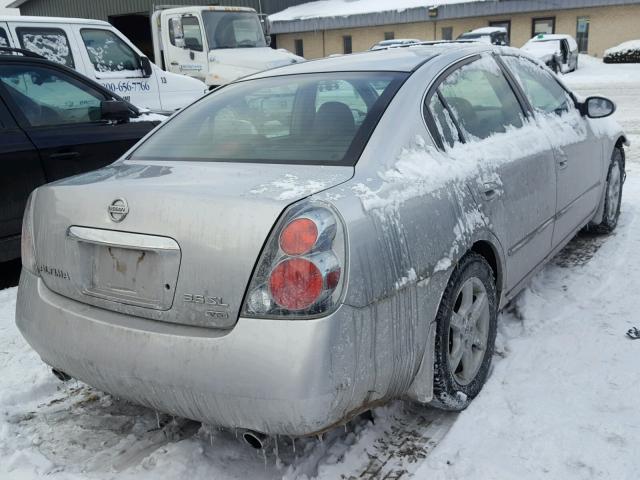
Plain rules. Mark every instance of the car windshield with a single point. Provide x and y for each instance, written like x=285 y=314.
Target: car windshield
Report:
x=312 y=119
x=233 y=29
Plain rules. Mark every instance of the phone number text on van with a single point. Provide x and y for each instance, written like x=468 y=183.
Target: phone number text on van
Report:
x=127 y=86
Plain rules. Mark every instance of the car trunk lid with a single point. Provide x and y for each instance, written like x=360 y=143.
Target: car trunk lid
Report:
x=175 y=242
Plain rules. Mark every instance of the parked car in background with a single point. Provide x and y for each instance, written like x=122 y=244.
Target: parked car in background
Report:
x=100 y=52
x=559 y=52
x=54 y=123
x=272 y=259
x=214 y=44
x=398 y=42
x=490 y=35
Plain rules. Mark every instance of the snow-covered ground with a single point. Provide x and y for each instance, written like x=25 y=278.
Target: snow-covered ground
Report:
x=561 y=402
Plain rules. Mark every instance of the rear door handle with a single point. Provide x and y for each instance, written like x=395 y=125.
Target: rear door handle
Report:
x=175 y=64
x=64 y=155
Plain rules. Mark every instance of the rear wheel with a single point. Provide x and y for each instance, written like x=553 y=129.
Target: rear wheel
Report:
x=465 y=334
x=613 y=195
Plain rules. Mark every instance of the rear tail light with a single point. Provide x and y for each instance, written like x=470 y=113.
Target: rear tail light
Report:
x=27 y=245
x=301 y=271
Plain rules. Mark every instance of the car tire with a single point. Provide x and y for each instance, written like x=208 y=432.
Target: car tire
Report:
x=612 y=196
x=466 y=326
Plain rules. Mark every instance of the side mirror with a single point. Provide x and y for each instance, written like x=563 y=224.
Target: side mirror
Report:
x=267 y=38
x=597 y=107
x=145 y=65
x=115 y=110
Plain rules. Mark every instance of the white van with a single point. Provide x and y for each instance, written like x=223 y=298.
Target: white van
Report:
x=214 y=44
x=99 y=51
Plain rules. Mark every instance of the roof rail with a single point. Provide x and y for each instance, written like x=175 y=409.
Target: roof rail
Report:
x=21 y=51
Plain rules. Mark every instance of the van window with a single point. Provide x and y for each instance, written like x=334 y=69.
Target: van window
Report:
x=323 y=119
x=51 y=43
x=107 y=51
x=544 y=93
x=48 y=97
x=481 y=99
x=4 y=39
x=192 y=33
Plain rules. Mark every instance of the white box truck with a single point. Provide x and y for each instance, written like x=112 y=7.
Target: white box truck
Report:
x=214 y=44
x=99 y=51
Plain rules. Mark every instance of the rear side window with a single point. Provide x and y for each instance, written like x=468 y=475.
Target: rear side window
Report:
x=4 y=39
x=443 y=121
x=544 y=93
x=51 y=43
x=47 y=97
x=107 y=51
x=481 y=99
x=305 y=119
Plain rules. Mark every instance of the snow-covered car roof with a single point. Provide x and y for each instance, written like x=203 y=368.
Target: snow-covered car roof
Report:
x=394 y=43
x=548 y=37
x=28 y=19
x=487 y=30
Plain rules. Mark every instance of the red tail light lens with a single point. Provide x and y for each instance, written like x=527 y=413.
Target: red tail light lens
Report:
x=301 y=271
x=296 y=284
x=299 y=236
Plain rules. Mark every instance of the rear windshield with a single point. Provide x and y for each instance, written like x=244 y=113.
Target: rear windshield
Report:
x=304 y=119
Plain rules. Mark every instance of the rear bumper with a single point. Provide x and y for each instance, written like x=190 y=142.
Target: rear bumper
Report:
x=277 y=377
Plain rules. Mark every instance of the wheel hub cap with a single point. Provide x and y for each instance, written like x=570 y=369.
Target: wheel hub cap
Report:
x=468 y=331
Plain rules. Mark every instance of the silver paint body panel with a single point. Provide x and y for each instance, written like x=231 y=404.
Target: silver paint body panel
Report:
x=293 y=377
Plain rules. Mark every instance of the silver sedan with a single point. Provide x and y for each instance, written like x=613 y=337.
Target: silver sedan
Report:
x=312 y=241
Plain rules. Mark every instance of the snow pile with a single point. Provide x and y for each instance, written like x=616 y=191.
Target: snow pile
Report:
x=561 y=402
x=627 y=52
x=343 y=8
x=593 y=72
x=149 y=117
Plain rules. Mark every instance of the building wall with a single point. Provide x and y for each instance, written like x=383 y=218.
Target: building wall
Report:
x=609 y=26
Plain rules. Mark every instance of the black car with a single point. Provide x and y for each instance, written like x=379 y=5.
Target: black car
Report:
x=54 y=123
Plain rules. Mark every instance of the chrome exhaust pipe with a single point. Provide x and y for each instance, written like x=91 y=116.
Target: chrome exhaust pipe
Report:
x=256 y=440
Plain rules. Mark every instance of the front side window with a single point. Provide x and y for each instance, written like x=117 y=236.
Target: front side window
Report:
x=4 y=39
x=47 y=97
x=192 y=33
x=304 y=119
x=233 y=30
x=51 y=43
x=544 y=93
x=481 y=99
x=107 y=51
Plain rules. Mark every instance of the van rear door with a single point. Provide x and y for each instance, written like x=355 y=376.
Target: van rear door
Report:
x=115 y=63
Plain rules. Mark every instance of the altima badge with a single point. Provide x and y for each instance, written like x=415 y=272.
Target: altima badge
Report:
x=118 y=209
